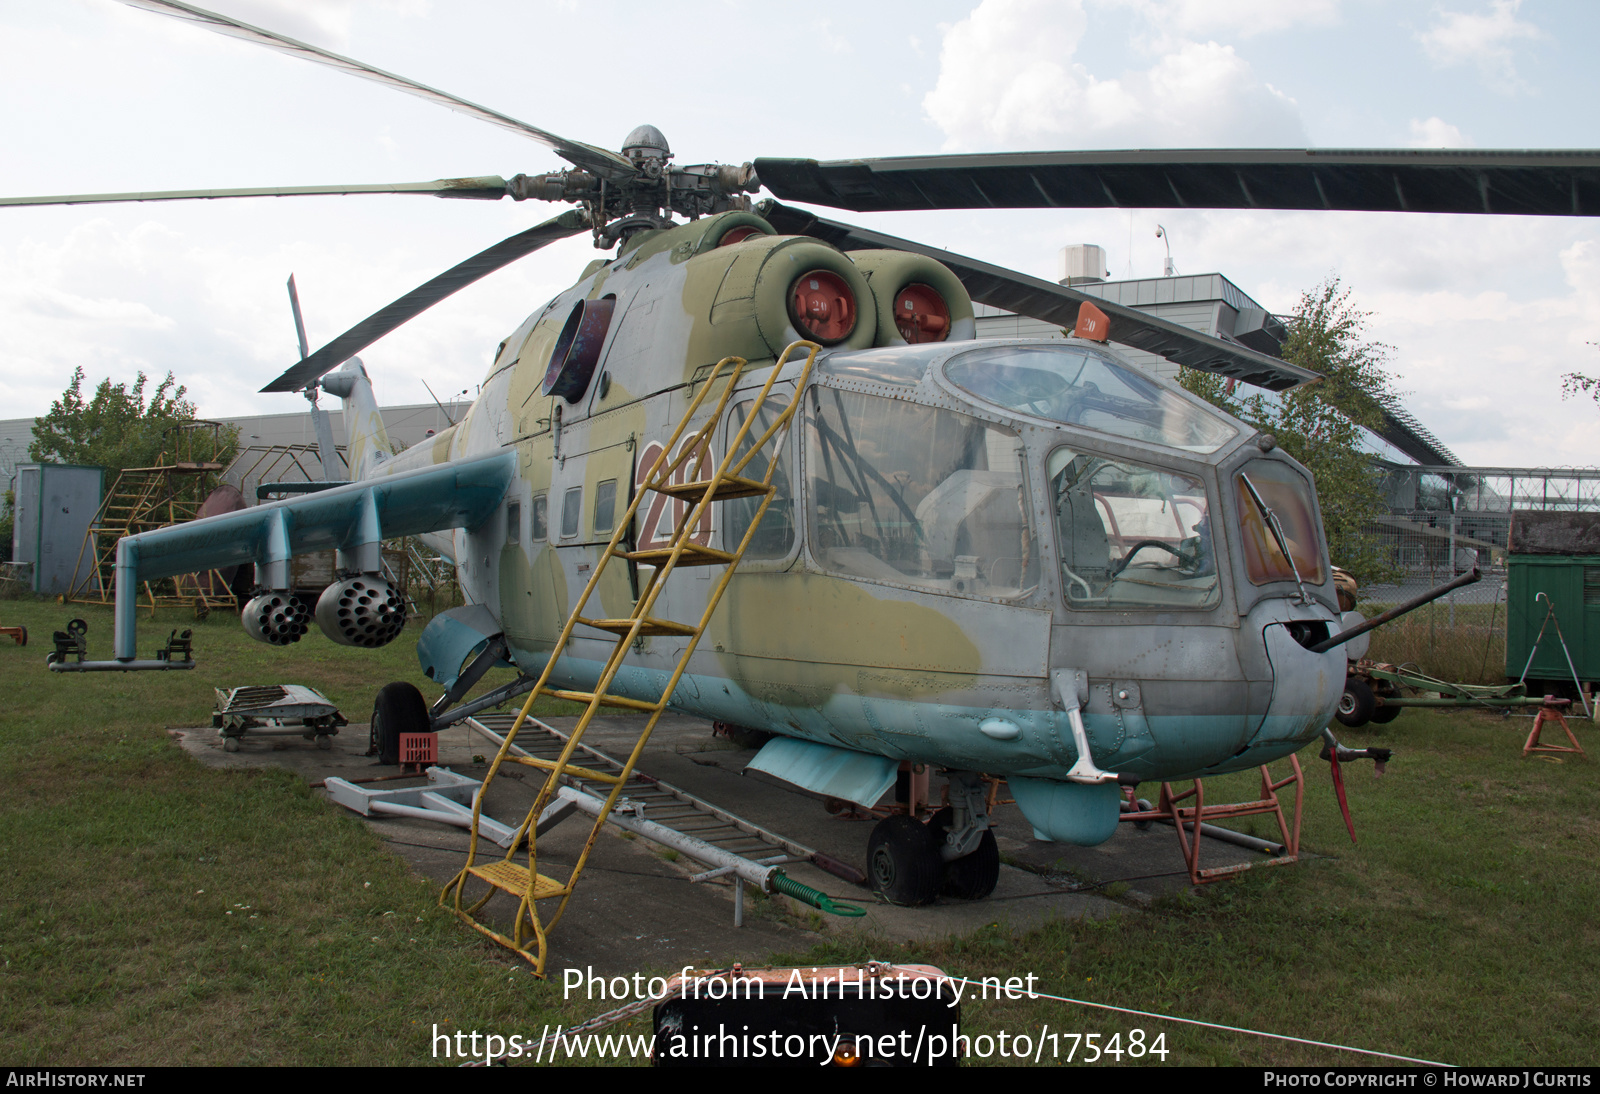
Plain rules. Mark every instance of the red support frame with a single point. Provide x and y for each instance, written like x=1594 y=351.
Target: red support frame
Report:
x=1551 y=710
x=1187 y=820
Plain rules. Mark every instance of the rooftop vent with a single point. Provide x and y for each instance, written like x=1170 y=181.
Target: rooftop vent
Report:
x=1083 y=264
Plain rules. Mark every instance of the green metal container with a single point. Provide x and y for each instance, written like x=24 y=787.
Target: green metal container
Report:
x=1557 y=554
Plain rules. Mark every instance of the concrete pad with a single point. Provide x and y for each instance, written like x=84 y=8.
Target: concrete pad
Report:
x=635 y=910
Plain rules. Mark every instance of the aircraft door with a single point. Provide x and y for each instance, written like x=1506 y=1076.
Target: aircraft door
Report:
x=590 y=491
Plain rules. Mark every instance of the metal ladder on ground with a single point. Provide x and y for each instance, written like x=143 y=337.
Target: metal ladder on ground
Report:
x=530 y=933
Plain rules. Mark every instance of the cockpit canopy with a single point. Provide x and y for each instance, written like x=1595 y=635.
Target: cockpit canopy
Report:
x=1078 y=385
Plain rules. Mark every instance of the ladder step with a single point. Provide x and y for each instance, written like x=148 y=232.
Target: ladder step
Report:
x=570 y=769
x=605 y=700
x=650 y=627
x=692 y=555
x=732 y=487
x=511 y=878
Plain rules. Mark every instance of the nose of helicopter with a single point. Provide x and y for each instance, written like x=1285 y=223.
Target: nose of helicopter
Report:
x=1306 y=686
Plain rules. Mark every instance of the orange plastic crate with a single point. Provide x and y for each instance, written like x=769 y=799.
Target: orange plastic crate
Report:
x=421 y=749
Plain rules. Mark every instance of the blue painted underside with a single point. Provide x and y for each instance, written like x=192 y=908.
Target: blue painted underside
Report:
x=1192 y=746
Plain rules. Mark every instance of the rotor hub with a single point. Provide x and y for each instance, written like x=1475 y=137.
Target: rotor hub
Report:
x=646 y=147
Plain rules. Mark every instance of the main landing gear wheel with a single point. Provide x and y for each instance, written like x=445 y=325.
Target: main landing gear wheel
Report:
x=903 y=861
x=398 y=709
x=974 y=875
x=1356 y=704
x=1385 y=714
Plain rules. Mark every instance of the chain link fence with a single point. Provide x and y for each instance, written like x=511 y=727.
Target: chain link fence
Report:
x=1442 y=522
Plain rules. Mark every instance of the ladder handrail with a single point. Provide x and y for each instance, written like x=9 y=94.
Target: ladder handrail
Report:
x=689 y=520
x=658 y=479
x=623 y=525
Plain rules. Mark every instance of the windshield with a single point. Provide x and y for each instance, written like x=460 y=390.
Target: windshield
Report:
x=1079 y=385
x=1131 y=536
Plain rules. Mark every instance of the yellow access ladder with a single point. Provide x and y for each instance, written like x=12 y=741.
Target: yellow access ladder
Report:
x=529 y=936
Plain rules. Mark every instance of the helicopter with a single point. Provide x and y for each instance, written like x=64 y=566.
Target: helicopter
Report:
x=1012 y=557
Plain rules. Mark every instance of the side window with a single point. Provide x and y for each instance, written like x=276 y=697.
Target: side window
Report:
x=540 y=517
x=514 y=522
x=571 y=505
x=917 y=495
x=1131 y=536
x=774 y=537
x=605 y=505
x=1288 y=497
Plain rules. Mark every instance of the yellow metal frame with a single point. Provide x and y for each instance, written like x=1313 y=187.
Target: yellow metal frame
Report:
x=142 y=499
x=725 y=483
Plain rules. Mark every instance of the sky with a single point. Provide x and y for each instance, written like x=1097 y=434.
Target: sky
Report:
x=1482 y=315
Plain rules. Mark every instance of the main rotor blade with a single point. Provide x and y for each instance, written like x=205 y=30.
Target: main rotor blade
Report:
x=1056 y=304
x=420 y=299
x=608 y=165
x=1540 y=183
x=487 y=187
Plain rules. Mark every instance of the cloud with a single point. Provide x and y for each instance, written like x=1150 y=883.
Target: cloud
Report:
x=1245 y=18
x=1007 y=79
x=1484 y=40
x=1484 y=313
x=121 y=294
x=1436 y=133
x=833 y=42
x=326 y=23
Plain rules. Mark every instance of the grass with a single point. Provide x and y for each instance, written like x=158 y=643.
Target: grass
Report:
x=1472 y=651
x=1461 y=928
x=153 y=911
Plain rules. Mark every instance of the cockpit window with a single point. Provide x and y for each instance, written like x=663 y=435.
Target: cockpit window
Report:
x=1131 y=536
x=901 y=366
x=1080 y=386
x=1288 y=496
x=916 y=495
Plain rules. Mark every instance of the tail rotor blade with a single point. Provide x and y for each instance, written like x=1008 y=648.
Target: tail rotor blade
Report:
x=420 y=299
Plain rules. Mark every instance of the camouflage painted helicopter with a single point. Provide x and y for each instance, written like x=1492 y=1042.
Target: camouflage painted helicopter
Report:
x=1017 y=557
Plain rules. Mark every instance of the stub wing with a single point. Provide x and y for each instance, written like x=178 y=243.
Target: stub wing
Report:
x=354 y=518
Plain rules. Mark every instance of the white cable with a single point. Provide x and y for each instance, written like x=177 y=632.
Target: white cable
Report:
x=1218 y=1025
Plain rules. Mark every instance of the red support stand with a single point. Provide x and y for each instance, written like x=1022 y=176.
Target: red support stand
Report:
x=1552 y=711
x=1188 y=819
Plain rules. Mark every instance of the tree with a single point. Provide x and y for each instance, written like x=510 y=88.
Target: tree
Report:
x=117 y=428
x=1576 y=384
x=1321 y=423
